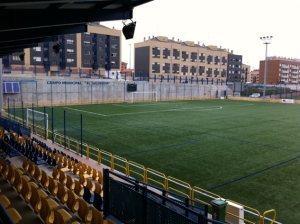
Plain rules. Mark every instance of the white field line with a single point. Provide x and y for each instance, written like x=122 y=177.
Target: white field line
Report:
x=157 y=111
x=144 y=105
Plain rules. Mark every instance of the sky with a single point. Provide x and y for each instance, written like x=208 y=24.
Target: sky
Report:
x=233 y=24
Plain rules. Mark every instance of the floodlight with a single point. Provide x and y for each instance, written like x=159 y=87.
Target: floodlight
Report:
x=128 y=30
x=56 y=48
x=21 y=56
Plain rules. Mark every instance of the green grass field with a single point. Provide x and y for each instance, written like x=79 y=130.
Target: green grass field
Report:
x=244 y=151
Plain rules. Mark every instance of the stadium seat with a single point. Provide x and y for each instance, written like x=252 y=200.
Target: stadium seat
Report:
x=78 y=190
x=62 y=178
x=82 y=180
x=37 y=174
x=83 y=212
x=45 y=180
x=48 y=216
x=52 y=186
x=72 y=202
x=55 y=173
x=14 y=215
x=4 y=201
x=90 y=185
x=18 y=182
x=97 y=217
x=59 y=219
x=87 y=195
x=62 y=193
x=70 y=183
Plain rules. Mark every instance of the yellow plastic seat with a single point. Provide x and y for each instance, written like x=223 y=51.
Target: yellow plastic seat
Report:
x=25 y=191
x=98 y=188
x=62 y=177
x=78 y=190
x=11 y=174
x=97 y=217
x=37 y=174
x=100 y=177
x=5 y=169
x=90 y=185
x=82 y=180
x=60 y=218
x=75 y=170
x=72 y=202
x=55 y=173
x=25 y=164
x=95 y=175
x=52 y=186
x=48 y=216
x=4 y=201
x=16 y=217
x=31 y=169
x=18 y=182
x=62 y=193
x=70 y=183
x=45 y=180
x=35 y=201
x=84 y=213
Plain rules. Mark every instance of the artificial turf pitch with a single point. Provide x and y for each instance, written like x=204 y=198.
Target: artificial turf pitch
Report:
x=244 y=151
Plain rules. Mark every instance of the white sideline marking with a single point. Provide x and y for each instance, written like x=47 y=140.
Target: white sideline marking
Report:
x=157 y=111
x=85 y=111
x=144 y=105
x=118 y=105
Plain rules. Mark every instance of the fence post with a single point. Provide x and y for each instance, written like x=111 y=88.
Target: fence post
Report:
x=23 y=112
x=81 y=133
x=99 y=157
x=65 y=128
x=45 y=122
x=32 y=119
x=14 y=109
x=68 y=143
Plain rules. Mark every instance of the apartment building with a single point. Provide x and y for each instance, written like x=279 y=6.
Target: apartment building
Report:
x=280 y=70
x=161 y=56
x=91 y=52
x=254 y=76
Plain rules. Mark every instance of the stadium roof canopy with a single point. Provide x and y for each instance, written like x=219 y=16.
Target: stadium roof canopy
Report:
x=24 y=23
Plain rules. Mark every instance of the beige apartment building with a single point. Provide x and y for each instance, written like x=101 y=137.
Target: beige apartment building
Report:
x=160 y=56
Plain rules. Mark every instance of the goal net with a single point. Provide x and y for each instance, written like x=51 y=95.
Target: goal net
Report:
x=36 y=117
x=143 y=97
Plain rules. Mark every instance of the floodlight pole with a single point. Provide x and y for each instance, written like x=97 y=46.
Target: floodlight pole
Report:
x=266 y=40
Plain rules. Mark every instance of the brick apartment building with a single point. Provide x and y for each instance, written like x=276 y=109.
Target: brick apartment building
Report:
x=161 y=56
x=95 y=51
x=280 y=70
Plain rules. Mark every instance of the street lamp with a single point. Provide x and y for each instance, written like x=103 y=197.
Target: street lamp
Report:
x=266 y=40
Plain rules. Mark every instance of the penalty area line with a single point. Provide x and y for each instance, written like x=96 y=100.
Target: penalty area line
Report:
x=86 y=111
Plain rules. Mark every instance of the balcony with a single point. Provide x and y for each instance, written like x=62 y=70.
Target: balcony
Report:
x=47 y=64
x=284 y=66
x=284 y=76
x=46 y=54
x=62 y=45
x=295 y=72
x=108 y=67
x=94 y=40
x=107 y=59
x=107 y=50
x=285 y=71
x=6 y=62
x=294 y=81
x=62 y=55
x=95 y=66
x=94 y=57
x=62 y=65
x=294 y=76
x=94 y=48
x=107 y=41
x=46 y=44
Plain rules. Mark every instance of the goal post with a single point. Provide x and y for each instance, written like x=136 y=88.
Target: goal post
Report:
x=143 y=97
x=39 y=118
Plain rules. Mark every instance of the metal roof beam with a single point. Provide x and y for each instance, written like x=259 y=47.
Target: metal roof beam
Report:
x=21 y=43
x=28 y=18
x=41 y=32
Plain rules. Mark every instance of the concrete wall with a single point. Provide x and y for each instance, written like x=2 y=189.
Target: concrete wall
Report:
x=45 y=91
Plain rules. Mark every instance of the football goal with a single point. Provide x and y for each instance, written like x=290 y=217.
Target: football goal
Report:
x=36 y=117
x=143 y=97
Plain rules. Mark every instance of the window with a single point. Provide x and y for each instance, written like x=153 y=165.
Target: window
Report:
x=16 y=58
x=87 y=52
x=114 y=38
x=100 y=48
x=70 y=41
x=37 y=49
x=70 y=51
x=86 y=43
x=86 y=61
x=53 y=54
x=113 y=63
x=101 y=39
x=114 y=54
x=70 y=59
x=37 y=58
x=54 y=63
x=115 y=46
x=101 y=56
x=87 y=34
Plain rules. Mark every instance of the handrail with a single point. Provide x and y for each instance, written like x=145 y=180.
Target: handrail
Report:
x=118 y=165
x=157 y=173
x=180 y=183
x=247 y=207
x=266 y=212
x=246 y=220
x=138 y=166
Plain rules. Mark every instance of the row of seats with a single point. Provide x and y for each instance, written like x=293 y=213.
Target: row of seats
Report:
x=26 y=184
x=85 y=188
